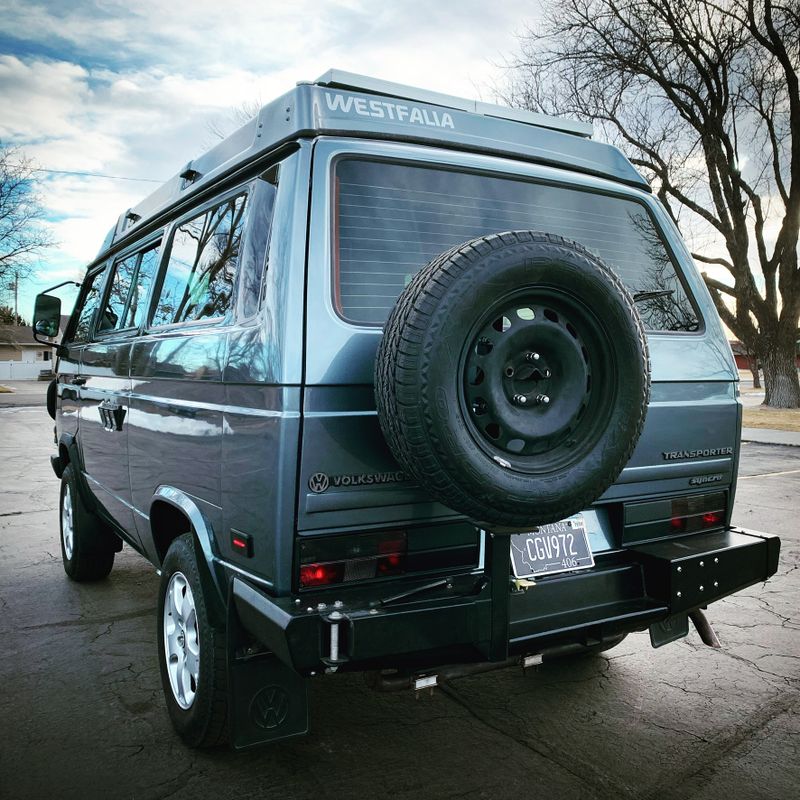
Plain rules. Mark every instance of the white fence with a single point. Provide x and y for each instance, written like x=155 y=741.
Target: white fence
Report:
x=22 y=370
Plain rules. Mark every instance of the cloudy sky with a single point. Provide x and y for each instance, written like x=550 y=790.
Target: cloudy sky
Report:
x=129 y=89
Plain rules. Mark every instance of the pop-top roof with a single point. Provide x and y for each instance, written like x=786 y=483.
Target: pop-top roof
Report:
x=337 y=78
x=344 y=104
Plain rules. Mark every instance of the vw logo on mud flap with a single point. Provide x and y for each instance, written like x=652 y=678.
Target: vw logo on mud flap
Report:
x=319 y=482
x=269 y=707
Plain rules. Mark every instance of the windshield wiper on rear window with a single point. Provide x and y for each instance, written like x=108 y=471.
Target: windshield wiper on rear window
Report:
x=639 y=296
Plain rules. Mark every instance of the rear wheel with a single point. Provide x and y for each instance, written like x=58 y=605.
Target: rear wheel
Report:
x=191 y=651
x=87 y=545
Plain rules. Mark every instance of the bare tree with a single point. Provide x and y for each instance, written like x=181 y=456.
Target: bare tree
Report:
x=704 y=97
x=22 y=235
x=235 y=117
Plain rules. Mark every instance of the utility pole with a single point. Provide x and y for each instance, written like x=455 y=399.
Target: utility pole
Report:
x=16 y=287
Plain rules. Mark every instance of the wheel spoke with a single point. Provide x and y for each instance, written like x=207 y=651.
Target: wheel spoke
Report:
x=184 y=679
x=188 y=682
x=172 y=640
x=192 y=635
x=193 y=665
x=178 y=589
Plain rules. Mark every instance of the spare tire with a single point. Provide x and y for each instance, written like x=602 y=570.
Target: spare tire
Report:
x=512 y=379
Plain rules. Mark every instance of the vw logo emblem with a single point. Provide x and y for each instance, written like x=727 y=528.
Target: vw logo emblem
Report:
x=269 y=707
x=319 y=482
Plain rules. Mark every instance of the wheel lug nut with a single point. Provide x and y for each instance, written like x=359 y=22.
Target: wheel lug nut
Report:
x=543 y=399
x=532 y=356
x=520 y=399
x=547 y=373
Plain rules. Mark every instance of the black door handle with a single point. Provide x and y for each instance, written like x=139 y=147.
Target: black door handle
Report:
x=78 y=381
x=112 y=415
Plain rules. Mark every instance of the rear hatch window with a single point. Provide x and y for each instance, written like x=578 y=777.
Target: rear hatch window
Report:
x=390 y=219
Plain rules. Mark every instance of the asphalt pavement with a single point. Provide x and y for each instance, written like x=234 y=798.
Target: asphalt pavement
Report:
x=82 y=713
x=23 y=393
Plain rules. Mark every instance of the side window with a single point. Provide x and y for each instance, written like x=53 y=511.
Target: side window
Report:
x=121 y=280
x=130 y=284
x=253 y=261
x=88 y=306
x=137 y=307
x=203 y=259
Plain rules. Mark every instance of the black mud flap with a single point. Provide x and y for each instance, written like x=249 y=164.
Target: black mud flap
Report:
x=268 y=700
x=669 y=630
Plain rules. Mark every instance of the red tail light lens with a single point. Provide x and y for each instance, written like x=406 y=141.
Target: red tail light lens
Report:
x=674 y=516
x=360 y=556
x=392 y=564
x=321 y=574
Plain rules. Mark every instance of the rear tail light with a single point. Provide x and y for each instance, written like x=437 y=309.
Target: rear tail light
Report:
x=326 y=561
x=654 y=519
x=690 y=524
x=321 y=574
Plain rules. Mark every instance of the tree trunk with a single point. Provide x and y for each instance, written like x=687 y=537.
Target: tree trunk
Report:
x=752 y=363
x=782 y=388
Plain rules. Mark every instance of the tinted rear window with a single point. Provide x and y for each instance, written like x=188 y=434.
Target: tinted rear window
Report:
x=391 y=219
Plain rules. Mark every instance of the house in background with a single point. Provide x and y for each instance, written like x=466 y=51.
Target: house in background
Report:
x=746 y=361
x=741 y=355
x=22 y=358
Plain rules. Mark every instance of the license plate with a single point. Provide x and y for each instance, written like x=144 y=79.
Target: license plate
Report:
x=557 y=547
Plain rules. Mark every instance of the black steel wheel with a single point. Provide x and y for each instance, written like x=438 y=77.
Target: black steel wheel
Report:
x=512 y=379
x=529 y=394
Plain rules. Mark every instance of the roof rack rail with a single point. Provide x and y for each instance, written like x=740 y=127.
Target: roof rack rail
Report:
x=349 y=80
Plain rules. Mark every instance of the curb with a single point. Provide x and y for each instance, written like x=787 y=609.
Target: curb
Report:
x=771 y=436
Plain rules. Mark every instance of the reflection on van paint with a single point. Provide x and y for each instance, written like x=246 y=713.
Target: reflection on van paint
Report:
x=180 y=423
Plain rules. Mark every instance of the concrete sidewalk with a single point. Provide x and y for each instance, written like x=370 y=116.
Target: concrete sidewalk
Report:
x=770 y=436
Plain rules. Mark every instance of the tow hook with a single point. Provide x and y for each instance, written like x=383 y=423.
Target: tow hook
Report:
x=704 y=629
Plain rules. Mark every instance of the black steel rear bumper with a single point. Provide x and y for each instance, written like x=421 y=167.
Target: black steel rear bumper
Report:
x=483 y=618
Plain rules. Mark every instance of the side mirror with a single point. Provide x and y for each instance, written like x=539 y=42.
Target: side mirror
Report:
x=46 y=315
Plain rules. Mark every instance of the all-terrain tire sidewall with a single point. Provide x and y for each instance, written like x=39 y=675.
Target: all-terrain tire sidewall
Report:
x=417 y=378
x=93 y=545
x=204 y=723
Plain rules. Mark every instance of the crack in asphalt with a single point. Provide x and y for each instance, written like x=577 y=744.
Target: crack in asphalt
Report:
x=176 y=783
x=702 y=772
x=607 y=789
x=77 y=623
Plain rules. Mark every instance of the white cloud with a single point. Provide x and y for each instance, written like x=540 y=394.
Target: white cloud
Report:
x=129 y=89
x=39 y=98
